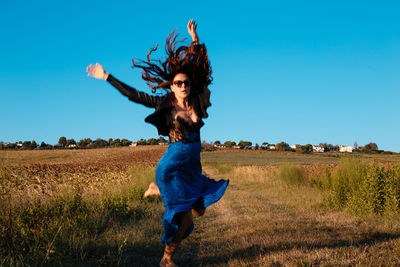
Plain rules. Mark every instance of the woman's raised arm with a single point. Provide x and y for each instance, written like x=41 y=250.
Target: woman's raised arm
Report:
x=192 y=29
x=97 y=71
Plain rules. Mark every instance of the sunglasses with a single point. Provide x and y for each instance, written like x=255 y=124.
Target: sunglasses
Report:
x=180 y=83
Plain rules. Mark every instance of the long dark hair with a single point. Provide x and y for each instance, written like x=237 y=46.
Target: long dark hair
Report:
x=191 y=60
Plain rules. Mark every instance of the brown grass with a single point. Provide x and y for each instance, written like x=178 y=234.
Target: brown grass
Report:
x=261 y=220
x=41 y=173
x=261 y=157
x=110 y=156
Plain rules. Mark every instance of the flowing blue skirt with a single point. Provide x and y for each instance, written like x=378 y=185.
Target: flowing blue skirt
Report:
x=182 y=185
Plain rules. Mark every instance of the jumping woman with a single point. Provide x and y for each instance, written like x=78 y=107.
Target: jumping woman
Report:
x=185 y=76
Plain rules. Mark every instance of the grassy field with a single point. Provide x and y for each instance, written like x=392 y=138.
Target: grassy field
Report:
x=84 y=208
x=262 y=158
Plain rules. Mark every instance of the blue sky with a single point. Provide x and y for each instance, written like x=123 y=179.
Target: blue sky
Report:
x=294 y=71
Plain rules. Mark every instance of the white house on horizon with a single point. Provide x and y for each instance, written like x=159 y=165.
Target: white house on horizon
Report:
x=295 y=146
x=318 y=148
x=344 y=148
x=271 y=147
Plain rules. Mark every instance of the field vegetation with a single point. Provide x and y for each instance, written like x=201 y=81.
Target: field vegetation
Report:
x=85 y=207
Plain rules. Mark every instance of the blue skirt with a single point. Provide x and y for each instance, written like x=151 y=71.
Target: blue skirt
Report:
x=182 y=185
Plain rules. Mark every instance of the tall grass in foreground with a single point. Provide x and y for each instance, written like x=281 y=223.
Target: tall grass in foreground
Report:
x=72 y=226
x=356 y=185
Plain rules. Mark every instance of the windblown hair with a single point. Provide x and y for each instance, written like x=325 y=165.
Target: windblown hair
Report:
x=191 y=60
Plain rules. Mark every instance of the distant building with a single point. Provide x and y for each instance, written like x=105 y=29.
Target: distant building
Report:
x=295 y=146
x=318 y=148
x=219 y=145
x=343 y=148
x=272 y=147
x=236 y=147
x=72 y=146
x=133 y=144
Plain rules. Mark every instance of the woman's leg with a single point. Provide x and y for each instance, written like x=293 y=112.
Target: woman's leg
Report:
x=185 y=220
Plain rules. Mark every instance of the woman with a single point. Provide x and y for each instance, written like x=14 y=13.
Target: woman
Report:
x=185 y=75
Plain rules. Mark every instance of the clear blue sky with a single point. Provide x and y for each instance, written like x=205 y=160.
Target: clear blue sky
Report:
x=294 y=71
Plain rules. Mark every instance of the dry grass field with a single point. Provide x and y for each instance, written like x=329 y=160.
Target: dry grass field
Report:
x=85 y=208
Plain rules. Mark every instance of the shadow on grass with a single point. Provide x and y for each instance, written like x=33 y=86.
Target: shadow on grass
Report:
x=221 y=257
x=256 y=250
x=149 y=253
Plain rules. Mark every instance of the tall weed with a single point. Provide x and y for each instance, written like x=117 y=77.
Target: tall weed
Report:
x=292 y=174
x=365 y=188
x=356 y=185
x=392 y=189
x=345 y=180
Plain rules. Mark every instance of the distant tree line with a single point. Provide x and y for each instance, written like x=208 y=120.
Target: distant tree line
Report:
x=283 y=146
x=64 y=143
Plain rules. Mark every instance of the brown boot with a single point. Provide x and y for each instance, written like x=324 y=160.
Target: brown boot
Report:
x=167 y=263
x=169 y=252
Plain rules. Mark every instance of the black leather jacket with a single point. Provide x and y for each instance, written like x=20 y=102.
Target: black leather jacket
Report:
x=162 y=117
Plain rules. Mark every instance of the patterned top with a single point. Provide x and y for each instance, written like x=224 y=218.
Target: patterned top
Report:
x=180 y=129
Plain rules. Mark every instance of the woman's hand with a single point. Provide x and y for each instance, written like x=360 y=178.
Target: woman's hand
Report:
x=192 y=27
x=97 y=71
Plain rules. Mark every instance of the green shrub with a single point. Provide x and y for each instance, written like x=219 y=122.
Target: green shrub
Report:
x=291 y=174
x=116 y=206
x=323 y=182
x=369 y=196
x=374 y=187
x=392 y=190
x=345 y=180
x=364 y=188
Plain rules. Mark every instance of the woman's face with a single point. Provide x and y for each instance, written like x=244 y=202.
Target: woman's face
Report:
x=181 y=86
